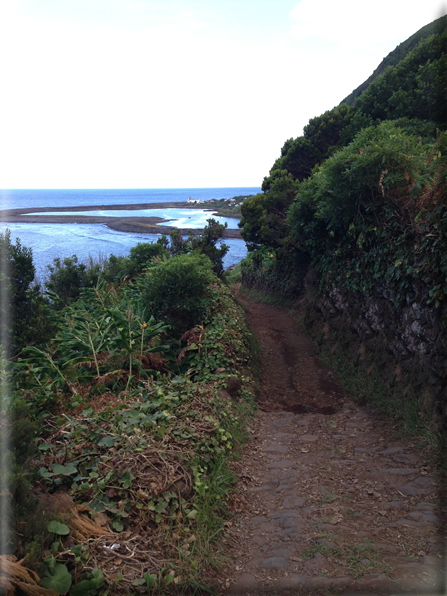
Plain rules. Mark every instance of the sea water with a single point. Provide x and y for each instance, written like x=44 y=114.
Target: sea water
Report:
x=49 y=241
x=21 y=199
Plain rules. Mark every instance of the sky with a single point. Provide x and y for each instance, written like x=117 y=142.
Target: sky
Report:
x=178 y=93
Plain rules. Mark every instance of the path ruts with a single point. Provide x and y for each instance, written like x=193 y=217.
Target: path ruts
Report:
x=330 y=501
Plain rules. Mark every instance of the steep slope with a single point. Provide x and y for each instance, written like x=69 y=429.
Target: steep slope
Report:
x=398 y=54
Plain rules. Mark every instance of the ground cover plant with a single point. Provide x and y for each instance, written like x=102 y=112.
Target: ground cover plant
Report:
x=133 y=412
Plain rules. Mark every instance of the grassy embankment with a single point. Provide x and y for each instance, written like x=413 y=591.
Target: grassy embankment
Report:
x=133 y=426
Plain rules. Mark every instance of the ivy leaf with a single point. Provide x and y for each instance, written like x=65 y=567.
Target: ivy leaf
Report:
x=108 y=441
x=139 y=582
x=58 y=579
x=117 y=525
x=65 y=470
x=57 y=528
x=168 y=579
x=45 y=446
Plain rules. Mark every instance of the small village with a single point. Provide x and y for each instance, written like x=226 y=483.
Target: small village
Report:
x=190 y=200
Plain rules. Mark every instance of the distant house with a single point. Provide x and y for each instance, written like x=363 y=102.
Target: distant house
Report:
x=194 y=200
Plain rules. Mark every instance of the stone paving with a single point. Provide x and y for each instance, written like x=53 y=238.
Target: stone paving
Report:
x=334 y=505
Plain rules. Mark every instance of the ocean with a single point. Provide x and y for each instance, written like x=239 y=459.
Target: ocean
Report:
x=49 y=241
x=19 y=199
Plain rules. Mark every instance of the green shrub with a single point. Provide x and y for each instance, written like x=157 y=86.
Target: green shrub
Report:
x=116 y=269
x=24 y=312
x=374 y=213
x=68 y=277
x=176 y=290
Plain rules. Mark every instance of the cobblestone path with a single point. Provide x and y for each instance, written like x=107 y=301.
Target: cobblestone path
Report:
x=329 y=503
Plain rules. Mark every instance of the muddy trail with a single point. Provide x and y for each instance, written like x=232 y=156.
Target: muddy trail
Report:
x=330 y=501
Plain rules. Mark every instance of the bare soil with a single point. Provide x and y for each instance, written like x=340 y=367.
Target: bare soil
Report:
x=330 y=500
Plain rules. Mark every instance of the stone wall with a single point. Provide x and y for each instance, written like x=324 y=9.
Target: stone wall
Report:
x=407 y=343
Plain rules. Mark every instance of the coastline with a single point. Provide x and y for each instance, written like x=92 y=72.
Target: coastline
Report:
x=136 y=225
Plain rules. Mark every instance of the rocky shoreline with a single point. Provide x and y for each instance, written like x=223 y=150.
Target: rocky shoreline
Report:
x=134 y=225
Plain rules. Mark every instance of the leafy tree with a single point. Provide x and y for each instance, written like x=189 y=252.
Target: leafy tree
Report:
x=402 y=50
x=263 y=221
x=416 y=87
x=206 y=244
x=24 y=311
x=320 y=139
x=143 y=252
x=68 y=277
x=180 y=245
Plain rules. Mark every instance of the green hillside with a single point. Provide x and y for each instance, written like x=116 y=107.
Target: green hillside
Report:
x=409 y=99
x=394 y=57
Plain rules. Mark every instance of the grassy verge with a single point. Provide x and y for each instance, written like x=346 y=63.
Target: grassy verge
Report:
x=133 y=475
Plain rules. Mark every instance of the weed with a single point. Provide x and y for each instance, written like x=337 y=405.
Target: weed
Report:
x=329 y=498
x=359 y=559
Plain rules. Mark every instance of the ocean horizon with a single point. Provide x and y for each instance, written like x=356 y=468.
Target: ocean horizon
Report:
x=24 y=198
x=50 y=241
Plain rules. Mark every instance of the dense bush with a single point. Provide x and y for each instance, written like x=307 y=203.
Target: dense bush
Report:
x=24 y=312
x=375 y=212
x=263 y=221
x=176 y=290
x=68 y=277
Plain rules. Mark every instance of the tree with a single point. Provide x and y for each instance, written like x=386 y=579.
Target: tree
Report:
x=24 y=312
x=320 y=139
x=206 y=244
x=264 y=216
x=68 y=277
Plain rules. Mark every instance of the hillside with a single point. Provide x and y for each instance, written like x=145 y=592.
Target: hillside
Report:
x=398 y=54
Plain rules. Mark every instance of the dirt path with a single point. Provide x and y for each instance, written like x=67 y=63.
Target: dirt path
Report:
x=330 y=502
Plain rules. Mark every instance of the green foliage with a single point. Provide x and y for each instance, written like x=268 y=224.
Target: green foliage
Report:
x=278 y=272
x=402 y=50
x=263 y=221
x=24 y=312
x=57 y=577
x=105 y=336
x=89 y=587
x=57 y=528
x=68 y=277
x=206 y=244
x=176 y=290
x=416 y=87
x=374 y=213
x=320 y=139
x=23 y=522
x=180 y=422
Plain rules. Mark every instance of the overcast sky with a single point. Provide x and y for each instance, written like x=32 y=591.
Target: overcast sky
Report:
x=178 y=93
